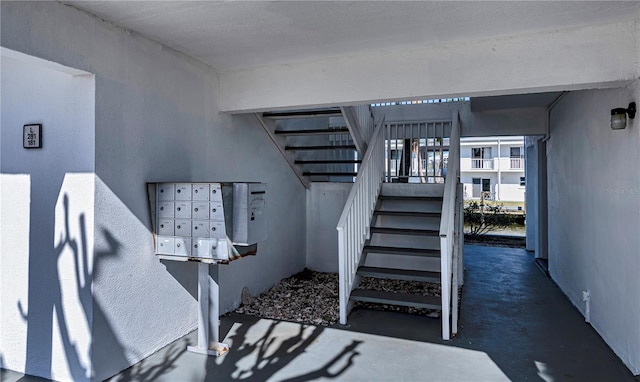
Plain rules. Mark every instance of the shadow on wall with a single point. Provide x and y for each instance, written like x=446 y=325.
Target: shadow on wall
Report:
x=48 y=292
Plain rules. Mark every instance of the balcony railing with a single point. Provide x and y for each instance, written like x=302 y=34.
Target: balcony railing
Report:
x=482 y=164
x=417 y=152
x=516 y=163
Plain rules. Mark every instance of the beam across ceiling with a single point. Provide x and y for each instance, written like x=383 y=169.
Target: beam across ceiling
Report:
x=570 y=59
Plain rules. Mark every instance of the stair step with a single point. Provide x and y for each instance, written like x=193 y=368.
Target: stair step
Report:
x=392 y=298
x=343 y=147
x=402 y=251
x=408 y=213
x=399 y=274
x=312 y=131
x=329 y=161
x=334 y=112
x=423 y=198
x=311 y=173
x=405 y=231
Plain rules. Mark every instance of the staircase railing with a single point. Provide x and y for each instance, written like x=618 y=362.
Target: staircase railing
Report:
x=450 y=235
x=353 y=226
x=365 y=119
x=417 y=151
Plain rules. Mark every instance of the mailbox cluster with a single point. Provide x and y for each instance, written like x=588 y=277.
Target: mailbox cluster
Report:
x=190 y=219
x=200 y=220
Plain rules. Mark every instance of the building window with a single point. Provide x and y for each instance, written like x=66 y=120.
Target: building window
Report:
x=481 y=152
x=486 y=185
x=522 y=181
x=516 y=158
x=479 y=185
x=475 y=187
x=481 y=157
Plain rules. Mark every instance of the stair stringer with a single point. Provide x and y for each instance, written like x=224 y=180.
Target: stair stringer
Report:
x=281 y=142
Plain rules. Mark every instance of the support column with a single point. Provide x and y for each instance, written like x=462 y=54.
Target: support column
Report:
x=499 y=185
x=541 y=242
x=209 y=312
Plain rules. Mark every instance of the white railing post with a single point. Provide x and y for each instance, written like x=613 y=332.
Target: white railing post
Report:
x=445 y=292
x=460 y=240
x=354 y=222
x=448 y=238
x=457 y=258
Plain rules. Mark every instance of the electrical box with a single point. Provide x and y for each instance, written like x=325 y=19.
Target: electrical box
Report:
x=210 y=222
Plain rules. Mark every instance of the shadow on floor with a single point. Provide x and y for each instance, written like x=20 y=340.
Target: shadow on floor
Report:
x=260 y=349
x=515 y=324
x=516 y=315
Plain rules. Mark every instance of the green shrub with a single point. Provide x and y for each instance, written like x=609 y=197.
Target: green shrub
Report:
x=480 y=218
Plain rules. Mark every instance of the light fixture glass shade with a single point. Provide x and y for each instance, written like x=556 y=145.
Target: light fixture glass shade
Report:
x=618 y=119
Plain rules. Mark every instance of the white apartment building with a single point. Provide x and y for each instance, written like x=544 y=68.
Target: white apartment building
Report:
x=493 y=166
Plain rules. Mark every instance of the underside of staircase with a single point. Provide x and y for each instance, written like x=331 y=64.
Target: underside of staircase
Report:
x=320 y=145
x=404 y=244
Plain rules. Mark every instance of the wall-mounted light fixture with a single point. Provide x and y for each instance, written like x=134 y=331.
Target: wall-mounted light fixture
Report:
x=619 y=116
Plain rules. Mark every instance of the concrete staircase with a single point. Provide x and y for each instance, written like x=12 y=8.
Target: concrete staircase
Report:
x=404 y=244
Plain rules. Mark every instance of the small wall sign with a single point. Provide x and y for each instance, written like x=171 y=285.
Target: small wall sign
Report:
x=32 y=136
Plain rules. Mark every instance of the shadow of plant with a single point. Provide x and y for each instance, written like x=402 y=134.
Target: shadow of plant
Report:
x=263 y=358
x=144 y=372
x=45 y=299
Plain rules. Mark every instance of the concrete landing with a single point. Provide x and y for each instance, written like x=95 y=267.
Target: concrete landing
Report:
x=281 y=351
x=515 y=325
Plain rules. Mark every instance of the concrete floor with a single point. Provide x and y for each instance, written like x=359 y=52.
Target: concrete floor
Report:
x=515 y=325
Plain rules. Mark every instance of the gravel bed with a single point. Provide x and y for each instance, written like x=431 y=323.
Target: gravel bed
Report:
x=312 y=297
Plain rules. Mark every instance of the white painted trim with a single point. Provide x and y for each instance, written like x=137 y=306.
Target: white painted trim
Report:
x=13 y=54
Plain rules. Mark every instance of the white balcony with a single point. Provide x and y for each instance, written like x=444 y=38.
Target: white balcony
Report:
x=493 y=164
x=509 y=164
x=516 y=163
x=468 y=164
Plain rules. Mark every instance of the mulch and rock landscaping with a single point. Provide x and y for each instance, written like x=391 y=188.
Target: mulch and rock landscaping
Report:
x=312 y=297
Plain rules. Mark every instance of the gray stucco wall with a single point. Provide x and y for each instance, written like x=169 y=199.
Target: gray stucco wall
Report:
x=594 y=219
x=156 y=119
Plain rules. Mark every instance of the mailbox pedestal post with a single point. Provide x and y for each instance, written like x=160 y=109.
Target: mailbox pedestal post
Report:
x=210 y=223
x=209 y=312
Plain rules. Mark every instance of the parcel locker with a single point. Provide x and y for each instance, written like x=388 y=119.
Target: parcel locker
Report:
x=182 y=246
